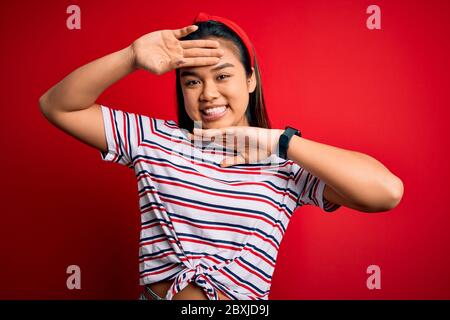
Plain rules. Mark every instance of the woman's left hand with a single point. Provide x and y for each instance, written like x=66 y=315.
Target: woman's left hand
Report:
x=252 y=144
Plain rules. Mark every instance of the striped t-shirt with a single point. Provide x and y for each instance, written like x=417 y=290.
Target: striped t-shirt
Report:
x=220 y=228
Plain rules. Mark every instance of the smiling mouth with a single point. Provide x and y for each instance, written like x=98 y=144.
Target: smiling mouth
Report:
x=214 y=110
x=214 y=113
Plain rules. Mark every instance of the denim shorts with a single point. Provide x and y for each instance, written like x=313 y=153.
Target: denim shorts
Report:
x=149 y=294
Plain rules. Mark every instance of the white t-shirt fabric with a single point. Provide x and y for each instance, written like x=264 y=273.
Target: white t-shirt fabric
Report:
x=220 y=228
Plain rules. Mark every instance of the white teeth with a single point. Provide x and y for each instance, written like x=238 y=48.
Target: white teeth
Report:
x=215 y=110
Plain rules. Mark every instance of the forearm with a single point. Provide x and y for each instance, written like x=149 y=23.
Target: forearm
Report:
x=81 y=88
x=357 y=177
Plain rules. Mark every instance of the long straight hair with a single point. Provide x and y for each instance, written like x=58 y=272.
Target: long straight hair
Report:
x=256 y=112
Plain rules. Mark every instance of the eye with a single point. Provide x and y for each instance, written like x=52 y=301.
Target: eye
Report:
x=223 y=75
x=190 y=83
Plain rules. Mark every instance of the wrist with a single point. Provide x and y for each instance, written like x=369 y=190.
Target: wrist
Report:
x=131 y=57
x=276 y=138
x=292 y=146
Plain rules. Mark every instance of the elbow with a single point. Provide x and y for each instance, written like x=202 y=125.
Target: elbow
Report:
x=44 y=105
x=42 y=102
x=396 y=192
x=393 y=196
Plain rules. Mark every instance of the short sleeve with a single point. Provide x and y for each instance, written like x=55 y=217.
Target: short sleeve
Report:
x=122 y=135
x=310 y=190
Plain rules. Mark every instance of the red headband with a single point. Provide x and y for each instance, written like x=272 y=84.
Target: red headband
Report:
x=233 y=26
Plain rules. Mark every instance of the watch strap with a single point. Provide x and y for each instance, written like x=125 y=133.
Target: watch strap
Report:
x=284 y=140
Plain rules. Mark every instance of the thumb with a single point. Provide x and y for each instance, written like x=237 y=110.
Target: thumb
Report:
x=180 y=33
x=228 y=162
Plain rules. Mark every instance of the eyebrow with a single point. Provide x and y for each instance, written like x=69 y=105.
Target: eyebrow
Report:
x=185 y=73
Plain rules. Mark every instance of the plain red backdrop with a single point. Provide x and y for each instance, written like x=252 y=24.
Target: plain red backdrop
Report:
x=381 y=92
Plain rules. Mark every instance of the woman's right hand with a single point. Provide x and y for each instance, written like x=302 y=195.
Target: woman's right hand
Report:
x=160 y=51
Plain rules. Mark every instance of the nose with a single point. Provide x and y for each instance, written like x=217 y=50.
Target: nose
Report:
x=209 y=91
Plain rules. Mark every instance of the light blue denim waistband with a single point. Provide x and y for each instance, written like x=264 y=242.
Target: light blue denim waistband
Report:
x=151 y=293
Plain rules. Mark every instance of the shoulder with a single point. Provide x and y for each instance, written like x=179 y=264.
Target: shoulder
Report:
x=140 y=118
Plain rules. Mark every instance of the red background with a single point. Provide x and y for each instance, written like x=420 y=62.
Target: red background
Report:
x=381 y=92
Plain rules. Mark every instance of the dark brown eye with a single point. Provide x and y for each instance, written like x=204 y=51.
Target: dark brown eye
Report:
x=190 y=83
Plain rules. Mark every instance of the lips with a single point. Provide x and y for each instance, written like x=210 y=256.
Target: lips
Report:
x=214 y=113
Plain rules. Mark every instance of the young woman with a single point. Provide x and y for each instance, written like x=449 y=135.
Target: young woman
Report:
x=212 y=219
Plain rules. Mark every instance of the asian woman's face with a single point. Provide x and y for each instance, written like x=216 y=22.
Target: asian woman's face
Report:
x=217 y=95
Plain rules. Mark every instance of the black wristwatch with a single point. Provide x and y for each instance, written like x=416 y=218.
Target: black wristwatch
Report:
x=285 y=137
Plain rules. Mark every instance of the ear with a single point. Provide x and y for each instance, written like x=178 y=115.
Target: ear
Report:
x=251 y=82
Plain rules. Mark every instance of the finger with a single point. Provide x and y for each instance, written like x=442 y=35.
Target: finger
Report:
x=220 y=136
x=231 y=161
x=198 y=52
x=246 y=145
x=212 y=135
x=208 y=132
x=195 y=62
x=180 y=33
x=203 y=43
